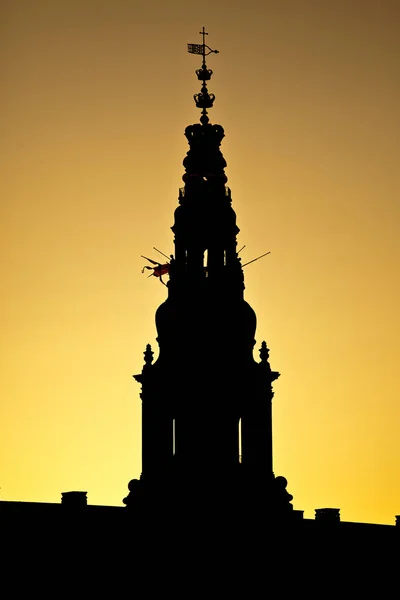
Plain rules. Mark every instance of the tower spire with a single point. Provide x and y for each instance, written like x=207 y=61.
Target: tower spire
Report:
x=206 y=402
x=203 y=99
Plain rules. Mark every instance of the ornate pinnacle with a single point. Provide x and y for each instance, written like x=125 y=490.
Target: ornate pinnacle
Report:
x=203 y=99
x=148 y=355
x=264 y=352
x=264 y=355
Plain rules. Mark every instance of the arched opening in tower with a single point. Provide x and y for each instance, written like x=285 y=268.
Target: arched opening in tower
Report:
x=205 y=263
x=240 y=440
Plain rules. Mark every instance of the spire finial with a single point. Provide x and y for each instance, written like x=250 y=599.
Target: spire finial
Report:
x=203 y=100
x=204 y=33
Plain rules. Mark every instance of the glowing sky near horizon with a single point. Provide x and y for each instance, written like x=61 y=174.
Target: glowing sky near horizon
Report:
x=95 y=99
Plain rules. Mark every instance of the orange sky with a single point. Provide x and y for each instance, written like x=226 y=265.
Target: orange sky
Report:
x=95 y=99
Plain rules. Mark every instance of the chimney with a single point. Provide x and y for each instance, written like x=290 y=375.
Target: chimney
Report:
x=397 y=517
x=327 y=515
x=74 y=499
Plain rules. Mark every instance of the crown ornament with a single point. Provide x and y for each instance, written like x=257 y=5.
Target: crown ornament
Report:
x=203 y=99
x=204 y=74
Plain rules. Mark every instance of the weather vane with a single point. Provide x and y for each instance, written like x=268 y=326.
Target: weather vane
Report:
x=203 y=100
x=201 y=48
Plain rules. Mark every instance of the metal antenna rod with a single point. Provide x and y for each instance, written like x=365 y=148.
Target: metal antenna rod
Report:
x=250 y=261
x=167 y=257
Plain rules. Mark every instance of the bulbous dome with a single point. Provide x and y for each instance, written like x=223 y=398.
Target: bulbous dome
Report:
x=224 y=330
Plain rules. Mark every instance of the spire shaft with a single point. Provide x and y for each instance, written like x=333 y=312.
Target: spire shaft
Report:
x=203 y=99
x=204 y=33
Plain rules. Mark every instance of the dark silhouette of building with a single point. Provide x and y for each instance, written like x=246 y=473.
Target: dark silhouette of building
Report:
x=206 y=403
x=207 y=477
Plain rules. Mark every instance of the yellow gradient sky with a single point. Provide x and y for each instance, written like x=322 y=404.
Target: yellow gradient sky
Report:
x=95 y=99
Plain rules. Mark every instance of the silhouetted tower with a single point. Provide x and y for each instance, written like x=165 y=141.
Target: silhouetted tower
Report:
x=206 y=403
